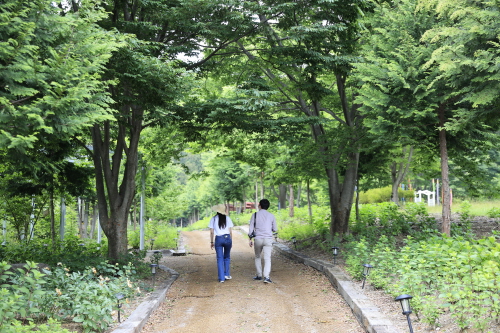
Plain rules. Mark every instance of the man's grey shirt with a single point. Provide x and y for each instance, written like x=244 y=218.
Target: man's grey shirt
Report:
x=264 y=226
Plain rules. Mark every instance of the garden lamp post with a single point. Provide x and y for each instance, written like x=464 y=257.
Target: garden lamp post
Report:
x=153 y=271
x=119 y=296
x=294 y=241
x=405 y=305
x=152 y=240
x=335 y=251
x=366 y=271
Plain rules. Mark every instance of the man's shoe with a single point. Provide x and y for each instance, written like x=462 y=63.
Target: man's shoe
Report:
x=228 y=277
x=221 y=281
x=267 y=280
x=257 y=278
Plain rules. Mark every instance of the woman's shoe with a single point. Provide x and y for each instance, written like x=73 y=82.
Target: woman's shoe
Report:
x=228 y=277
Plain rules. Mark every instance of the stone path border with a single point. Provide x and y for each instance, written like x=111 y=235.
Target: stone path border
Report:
x=367 y=314
x=136 y=321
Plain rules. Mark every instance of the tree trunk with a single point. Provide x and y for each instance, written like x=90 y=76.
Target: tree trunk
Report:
x=62 y=220
x=282 y=196
x=85 y=227
x=357 y=200
x=399 y=171
x=291 y=202
x=299 y=189
x=80 y=216
x=309 y=199
x=115 y=198
x=52 y=218
x=244 y=205
x=342 y=195
x=262 y=185
x=256 y=196
x=134 y=214
x=93 y=220
x=446 y=212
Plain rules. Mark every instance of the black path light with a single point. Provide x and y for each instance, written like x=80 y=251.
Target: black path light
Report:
x=366 y=271
x=176 y=243
x=294 y=241
x=405 y=305
x=119 y=296
x=153 y=271
x=152 y=240
x=335 y=251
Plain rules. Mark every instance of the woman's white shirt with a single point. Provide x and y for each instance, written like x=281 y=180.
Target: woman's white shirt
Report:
x=214 y=224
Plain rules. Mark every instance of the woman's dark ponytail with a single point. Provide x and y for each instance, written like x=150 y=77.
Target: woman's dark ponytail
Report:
x=222 y=220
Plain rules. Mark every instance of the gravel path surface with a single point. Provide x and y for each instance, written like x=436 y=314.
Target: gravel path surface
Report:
x=301 y=299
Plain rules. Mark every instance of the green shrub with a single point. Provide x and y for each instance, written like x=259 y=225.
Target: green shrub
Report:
x=464 y=225
x=75 y=253
x=20 y=292
x=440 y=273
x=87 y=297
x=51 y=326
x=383 y=194
x=356 y=254
x=164 y=236
x=493 y=212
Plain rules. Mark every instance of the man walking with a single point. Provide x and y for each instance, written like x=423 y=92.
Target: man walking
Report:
x=262 y=226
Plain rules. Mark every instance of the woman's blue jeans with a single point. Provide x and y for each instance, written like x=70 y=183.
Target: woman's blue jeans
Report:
x=223 y=246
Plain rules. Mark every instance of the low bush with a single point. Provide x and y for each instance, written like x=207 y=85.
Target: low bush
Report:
x=494 y=212
x=379 y=195
x=87 y=297
x=73 y=252
x=163 y=235
x=442 y=274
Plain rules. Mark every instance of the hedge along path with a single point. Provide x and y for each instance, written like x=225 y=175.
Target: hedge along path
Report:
x=301 y=299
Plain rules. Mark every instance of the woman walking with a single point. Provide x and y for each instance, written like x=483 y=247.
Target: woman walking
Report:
x=221 y=227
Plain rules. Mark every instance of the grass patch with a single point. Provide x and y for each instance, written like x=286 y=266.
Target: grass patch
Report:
x=477 y=208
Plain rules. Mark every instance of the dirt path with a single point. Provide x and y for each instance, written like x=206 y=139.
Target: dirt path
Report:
x=300 y=299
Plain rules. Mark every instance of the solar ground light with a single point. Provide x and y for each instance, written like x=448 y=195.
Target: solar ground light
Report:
x=119 y=296
x=366 y=271
x=153 y=271
x=405 y=305
x=294 y=241
x=335 y=251
x=152 y=240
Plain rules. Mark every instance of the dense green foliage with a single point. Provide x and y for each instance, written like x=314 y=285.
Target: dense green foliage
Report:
x=52 y=66
x=442 y=274
x=213 y=102
x=86 y=297
x=378 y=195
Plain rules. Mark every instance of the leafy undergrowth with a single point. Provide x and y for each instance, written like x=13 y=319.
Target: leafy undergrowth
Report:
x=452 y=279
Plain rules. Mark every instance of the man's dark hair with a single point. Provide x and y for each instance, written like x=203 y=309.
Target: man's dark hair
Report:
x=264 y=204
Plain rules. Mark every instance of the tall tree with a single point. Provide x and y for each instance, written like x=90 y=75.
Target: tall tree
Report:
x=51 y=68
x=405 y=92
x=302 y=51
